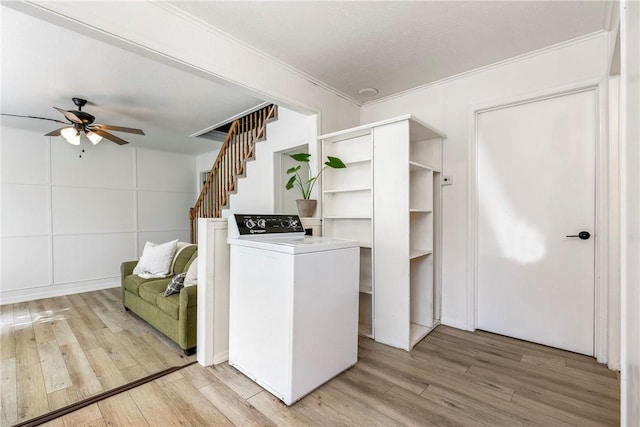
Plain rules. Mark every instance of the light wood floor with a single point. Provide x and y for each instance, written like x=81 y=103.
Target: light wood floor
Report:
x=452 y=377
x=58 y=351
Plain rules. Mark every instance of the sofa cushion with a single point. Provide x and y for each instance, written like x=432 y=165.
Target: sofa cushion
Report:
x=183 y=257
x=191 y=261
x=133 y=282
x=169 y=305
x=149 y=291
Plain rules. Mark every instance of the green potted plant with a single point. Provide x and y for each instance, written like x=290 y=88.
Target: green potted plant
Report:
x=307 y=206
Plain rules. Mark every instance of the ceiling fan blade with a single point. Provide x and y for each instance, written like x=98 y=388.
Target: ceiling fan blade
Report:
x=69 y=115
x=56 y=132
x=34 y=117
x=117 y=129
x=109 y=136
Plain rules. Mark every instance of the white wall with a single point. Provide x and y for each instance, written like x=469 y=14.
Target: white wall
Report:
x=68 y=222
x=614 y=223
x=449 y=105
x=204 y=162
x=630 y=221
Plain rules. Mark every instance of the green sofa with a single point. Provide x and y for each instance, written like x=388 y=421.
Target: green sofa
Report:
x=175 y=315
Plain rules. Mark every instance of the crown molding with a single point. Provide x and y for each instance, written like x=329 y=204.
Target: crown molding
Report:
x=208 y=27
x=484 y=68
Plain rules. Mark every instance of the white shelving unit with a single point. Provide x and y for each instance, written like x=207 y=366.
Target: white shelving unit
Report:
x=389 y=198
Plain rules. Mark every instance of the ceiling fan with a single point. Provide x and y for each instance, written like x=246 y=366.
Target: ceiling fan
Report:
x=83 y=122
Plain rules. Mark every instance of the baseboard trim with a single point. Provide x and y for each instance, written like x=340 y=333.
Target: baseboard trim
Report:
x=221 y=356
x=24 y=295
x=454 y=324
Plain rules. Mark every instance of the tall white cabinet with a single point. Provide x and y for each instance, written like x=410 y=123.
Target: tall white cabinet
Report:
x=388 y=198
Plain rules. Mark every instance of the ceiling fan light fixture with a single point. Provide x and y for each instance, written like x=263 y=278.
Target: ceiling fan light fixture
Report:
x=72 y=135
x=94 y=137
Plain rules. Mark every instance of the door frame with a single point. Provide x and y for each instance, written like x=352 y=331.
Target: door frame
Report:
x=602 y=326
x=280 y=175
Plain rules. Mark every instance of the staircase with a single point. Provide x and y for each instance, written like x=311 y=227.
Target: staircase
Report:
x=238 y=147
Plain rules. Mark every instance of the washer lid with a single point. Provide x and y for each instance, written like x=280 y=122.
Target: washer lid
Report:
x=295 y=244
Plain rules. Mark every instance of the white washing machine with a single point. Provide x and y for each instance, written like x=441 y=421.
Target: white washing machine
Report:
x=293 y=315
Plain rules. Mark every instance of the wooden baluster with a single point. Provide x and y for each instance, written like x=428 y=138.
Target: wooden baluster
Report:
x=241 y=144
x=230 y=174
x=247 y=142
x=237 y=148
x=247 y=132
x=217 y=191
x=231 y=155
x=233 y=162
x=236 y=142
x=252 y=128
x=212 y=199
x=224 y=173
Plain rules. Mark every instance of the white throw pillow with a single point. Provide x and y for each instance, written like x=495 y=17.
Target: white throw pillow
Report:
x=192 y=274
x=156 y=259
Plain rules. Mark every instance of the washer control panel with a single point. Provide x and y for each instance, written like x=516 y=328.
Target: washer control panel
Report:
x=267 y=224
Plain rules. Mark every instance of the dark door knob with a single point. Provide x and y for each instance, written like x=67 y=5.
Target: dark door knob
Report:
x=584 y=235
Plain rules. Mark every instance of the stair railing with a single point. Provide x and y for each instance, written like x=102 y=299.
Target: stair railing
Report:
x=238 y=147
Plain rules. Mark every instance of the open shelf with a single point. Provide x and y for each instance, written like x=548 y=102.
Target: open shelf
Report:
x=357 y=175
x=388 y=199
x=418 y=332
x=348 y=204
x=365 y=316
x=426 y=153
x=415 y=166
x=366 y=272
x=351 y=149
x=355 y=162
x=421 y=232
x=347 y=190
x=347 y=217
x=350 y=228
x=417 y=253
x=365 y=329
x=421 y=190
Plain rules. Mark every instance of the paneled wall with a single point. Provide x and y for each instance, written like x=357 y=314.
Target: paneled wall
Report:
x=66 y=223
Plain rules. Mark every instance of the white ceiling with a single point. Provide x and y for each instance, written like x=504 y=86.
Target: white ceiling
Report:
x=44 y=65
x=398 y=45
x=391 y=45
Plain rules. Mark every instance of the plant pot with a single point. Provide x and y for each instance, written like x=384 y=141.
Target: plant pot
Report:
x=306 y=207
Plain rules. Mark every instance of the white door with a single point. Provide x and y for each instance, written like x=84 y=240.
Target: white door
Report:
x=536 y=186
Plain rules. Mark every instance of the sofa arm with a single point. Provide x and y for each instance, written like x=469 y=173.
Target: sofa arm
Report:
x=126 y=269
x=188 y=298
x=187 y=315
